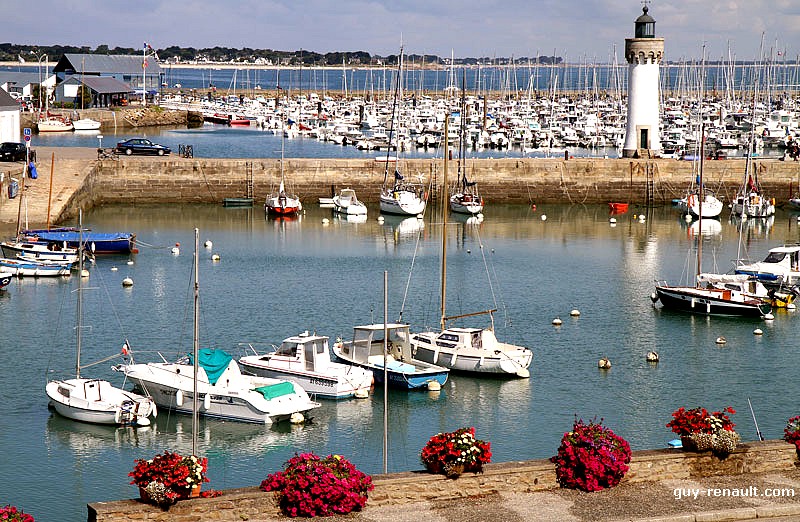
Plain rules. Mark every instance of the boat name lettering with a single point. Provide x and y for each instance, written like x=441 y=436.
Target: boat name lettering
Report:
x=321 y=382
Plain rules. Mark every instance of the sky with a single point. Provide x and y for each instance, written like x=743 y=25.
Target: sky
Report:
x=579 y=31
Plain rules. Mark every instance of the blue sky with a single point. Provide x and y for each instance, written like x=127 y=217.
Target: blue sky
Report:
x=584 y=30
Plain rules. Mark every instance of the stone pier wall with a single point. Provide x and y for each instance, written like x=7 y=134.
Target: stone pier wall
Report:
x=507 y=477
x=500 y=181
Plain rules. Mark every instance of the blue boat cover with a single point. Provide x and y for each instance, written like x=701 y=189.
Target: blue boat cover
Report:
x=273 y=391
x=213 y=361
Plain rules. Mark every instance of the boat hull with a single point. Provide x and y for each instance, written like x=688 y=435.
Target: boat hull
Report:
x=22 y=268
x=402 y=203
x=462 y=204
x=473 y=362
x=703 y=302
x=117 y=407
x=97 y=242
x=317 y=384
x=405 y=378
x=5 y=279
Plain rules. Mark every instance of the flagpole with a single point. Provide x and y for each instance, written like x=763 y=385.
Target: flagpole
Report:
x=144 y=75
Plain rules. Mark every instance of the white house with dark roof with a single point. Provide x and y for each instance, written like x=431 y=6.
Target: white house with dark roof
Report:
x=9 y=118
x=134 y=70
x=103 y=91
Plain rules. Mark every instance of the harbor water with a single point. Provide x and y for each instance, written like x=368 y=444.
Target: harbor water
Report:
x=276 y=278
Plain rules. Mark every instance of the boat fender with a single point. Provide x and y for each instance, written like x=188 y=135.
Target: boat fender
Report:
x=155 y=411
x=207 y=401
x=179 y=397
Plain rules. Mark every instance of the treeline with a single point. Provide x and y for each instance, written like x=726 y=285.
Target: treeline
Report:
x=32 y=53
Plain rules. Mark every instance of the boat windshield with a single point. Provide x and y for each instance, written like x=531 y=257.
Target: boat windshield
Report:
x=775 y=257
x=287 y=349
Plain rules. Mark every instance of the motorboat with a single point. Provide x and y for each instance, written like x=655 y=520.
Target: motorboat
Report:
x=96 y=242
x=402 y=371
x=750 y=286
x=781 y=267
x=39 y=251
x=223 y=391
x=346 y=202
x=85 y=124
x=709 y=301
x=5 y=278
x=26 y=268
x=306 y=360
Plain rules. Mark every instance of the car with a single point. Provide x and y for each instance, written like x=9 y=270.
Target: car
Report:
x=141 y=146
x=12 y=151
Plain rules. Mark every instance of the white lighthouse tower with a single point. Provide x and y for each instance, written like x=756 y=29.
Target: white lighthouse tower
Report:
x=643 y=53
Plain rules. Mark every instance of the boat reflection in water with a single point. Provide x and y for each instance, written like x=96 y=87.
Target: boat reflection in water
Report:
x=704 y=227
x=402 y=229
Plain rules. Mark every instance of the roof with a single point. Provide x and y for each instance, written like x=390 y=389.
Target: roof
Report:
x=7 y=102
x=20 y=79
x=101 y=84
x=645 y=18
x=95 y=64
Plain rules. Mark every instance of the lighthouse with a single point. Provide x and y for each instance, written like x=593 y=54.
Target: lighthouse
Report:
x=644 y=53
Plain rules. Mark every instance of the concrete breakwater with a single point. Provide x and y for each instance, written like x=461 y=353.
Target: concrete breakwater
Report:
x=406 y=490
x=82 y=181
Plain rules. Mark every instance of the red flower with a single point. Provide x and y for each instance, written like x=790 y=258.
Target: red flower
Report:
x=448 y=452
x=12 y=514
x=697 y=420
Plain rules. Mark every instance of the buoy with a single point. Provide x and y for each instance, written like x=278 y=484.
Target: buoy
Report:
x=297 y=418
x=380 y=219
x=769 y=317
x=215 y=257
x=557 y=321
x=176 y=249
x=130 y=261
x=533 y=207
x=420 y=216
x=604 y=364
x=721 y=340
x=469 y=251
x=654 y=297
x=641 y=218
x=114 y=269
x=544 y=217
x=791 y=306
x=652 y=356
x=575 y=313
x=361 y=393
x=84 y=273
x=434 y=386
x=325 y=221
x=127 y=282
x=208 y=243
x=612 y=220
x=634 y=216
x=687 y=218
x=758 y=331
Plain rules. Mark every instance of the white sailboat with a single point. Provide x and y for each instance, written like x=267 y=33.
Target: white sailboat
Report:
x=472 y=350
x=465 y=198
x=96 y=400
x=281 y=203
x=401 y=196
x=212 y=379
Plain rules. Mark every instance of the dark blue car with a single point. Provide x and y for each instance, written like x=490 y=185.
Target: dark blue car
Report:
x=141 y=146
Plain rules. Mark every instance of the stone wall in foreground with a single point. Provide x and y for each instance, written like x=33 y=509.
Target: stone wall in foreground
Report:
x=508 y=477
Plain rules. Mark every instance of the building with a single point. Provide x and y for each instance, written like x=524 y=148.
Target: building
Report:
x=9 y=118
x=139 y=73
x=644 y=53
x=100 y=92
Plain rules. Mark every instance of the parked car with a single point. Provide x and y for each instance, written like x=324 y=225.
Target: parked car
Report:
x=141 y=146
x=12 y=151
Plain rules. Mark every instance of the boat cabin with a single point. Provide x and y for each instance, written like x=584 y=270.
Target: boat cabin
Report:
x=368 y=342
x=302 y=352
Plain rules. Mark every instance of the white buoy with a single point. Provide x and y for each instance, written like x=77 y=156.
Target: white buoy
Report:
x=604 y=364
x=84 y=273
x=361 y=393
x=687 y=218
x=641 y=218
x=208 y=243
x=297 y=418
x=215 y=257
x=654 y=297
x=575 y=313
x=176 y=250
x=325 y=221
x=758 y=331
x=420 y=216
x=721 y=340
x=769 y=317
x=612 y=220
x=469 y=251
x=652 y=357
x=127 y=282
x=380 y=219
x=544 y=217
x=434 y=386
x=557 y=321
x=130 y=261
x=114 y=269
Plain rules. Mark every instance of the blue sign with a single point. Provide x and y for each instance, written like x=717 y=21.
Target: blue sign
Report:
x=26 y=131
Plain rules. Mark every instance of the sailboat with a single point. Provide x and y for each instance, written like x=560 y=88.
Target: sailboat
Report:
x=95 y=400
x=399 y=196
x=709 y=299
x=280 y=203
x=465 y=199
x=211 y=378
x=473 y=350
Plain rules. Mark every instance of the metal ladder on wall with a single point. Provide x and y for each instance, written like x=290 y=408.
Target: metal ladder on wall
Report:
x=249 y=179
x=650 y=183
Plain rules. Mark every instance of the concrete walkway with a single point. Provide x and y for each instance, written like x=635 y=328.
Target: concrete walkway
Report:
x=70 y=166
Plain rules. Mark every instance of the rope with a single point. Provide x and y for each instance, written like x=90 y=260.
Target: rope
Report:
x=410 y=271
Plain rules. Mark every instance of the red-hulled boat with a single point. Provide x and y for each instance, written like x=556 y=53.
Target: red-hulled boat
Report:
x=617 y=208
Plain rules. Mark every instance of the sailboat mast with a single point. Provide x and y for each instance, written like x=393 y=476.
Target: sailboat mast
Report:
x=700 y=198
x=196 y=339
x=445 y=205
x=79 y=309
x=394 y=110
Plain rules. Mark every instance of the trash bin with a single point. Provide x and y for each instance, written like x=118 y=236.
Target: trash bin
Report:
x=566 y=154
x=13 y=189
